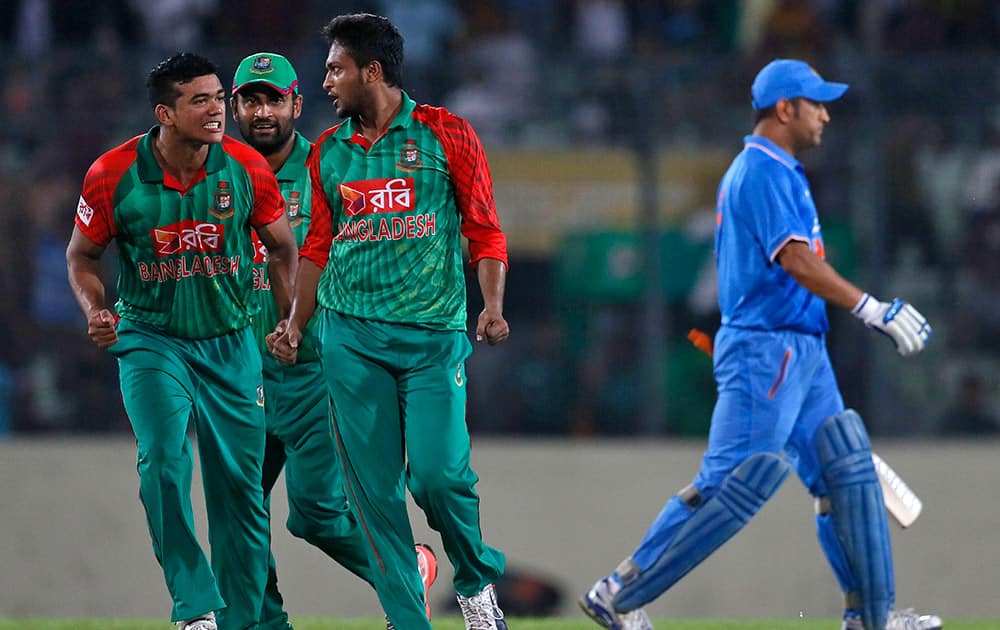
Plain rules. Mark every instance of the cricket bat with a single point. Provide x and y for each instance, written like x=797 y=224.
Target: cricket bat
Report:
x=902 y=504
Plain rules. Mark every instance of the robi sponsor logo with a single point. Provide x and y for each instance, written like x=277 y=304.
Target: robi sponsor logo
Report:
x=183 y=237
x=187 y=236
x=259 y=249
x=84 y=211
x=382 y=196
x=372 y=196
x=260 y=280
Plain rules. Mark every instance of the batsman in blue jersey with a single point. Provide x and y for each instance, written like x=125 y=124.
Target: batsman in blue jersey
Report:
x=779 y=407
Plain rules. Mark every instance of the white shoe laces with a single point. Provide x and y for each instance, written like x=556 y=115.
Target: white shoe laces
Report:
x=481 y=611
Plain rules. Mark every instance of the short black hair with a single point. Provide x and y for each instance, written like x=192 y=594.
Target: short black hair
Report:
x=761 y=114
x=368 y=38
x=162 y=82
x=767 y=112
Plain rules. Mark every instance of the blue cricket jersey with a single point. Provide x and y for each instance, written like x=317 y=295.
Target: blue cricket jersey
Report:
x=763 y=203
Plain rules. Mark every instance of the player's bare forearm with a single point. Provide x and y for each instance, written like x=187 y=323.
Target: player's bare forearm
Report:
x=817 y=275
x=281 y=271
x=83 y=267
x=282 y=261
x=491 y=325
x=304 y=300
x=492 y=275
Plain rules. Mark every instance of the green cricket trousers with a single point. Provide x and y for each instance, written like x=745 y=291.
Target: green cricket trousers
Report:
x=300 y=440
x=167 y=383
x=399 y=399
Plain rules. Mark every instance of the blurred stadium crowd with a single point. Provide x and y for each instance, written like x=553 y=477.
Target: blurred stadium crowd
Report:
x=907 y=182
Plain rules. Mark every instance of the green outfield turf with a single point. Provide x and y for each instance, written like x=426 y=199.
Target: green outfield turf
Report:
x=454 y=623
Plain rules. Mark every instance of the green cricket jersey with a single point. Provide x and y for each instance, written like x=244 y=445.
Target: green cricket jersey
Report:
x=388 y=216
x=185 y=255
x=293 y=180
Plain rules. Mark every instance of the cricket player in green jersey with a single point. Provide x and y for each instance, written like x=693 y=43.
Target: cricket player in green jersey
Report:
x=266 y=103
x=395 y=187
x=181 y=202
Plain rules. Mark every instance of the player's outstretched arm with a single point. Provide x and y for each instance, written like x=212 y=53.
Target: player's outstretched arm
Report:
x=491 y=325
x=284 y=341
x=83 y=268
x=898 y=320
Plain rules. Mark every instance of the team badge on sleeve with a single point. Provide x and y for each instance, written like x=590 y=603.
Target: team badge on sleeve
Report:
x=84 y=211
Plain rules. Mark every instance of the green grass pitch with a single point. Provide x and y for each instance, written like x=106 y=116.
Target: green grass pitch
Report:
x=455 y=623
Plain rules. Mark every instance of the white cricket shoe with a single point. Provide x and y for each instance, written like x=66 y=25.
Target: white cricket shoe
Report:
x=904 y=619
x=636 y=620
x=481 y=611
x=599 y=606
x=205 y=622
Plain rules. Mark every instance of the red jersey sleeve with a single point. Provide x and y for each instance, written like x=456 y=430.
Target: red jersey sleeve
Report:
x=95 y=212
x=268 y=204
x=316 y=247
x=470 y=174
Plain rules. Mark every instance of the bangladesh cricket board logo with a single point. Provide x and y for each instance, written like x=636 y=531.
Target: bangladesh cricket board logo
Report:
x=261 y=65
x=409 y=157
x=293 y=208
x=222 y=204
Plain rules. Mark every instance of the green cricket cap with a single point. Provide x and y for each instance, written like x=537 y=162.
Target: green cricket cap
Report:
x=268 y=68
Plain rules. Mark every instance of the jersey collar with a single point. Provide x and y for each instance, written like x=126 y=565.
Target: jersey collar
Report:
x=148 y=168
x=403 y=119
x=760 y=143
x=292 y=169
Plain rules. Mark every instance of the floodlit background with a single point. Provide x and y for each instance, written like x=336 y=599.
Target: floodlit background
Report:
x=608 y=124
